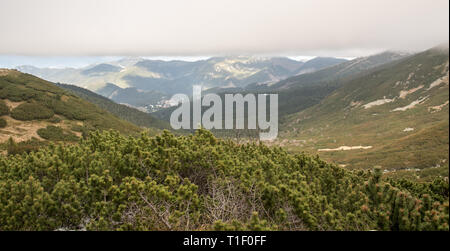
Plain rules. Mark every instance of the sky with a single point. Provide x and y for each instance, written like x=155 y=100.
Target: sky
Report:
x=78 y=32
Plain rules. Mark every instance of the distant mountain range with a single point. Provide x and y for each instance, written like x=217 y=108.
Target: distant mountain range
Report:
x=388 y=110
x=142 y=83
x=299 y=92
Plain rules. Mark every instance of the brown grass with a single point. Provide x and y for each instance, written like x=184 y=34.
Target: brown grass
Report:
x=12 y=104
x=20 y=130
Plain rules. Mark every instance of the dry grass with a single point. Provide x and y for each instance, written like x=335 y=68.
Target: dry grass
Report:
x=12 y=104
x=4 y=72
x=20 y=130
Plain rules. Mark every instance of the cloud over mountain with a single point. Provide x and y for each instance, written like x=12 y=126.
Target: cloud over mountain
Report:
x=200 y=27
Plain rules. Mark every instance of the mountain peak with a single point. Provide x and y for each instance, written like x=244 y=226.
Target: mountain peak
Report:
x=126 y=61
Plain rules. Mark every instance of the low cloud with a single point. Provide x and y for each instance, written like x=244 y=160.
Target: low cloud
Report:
x=344 y=28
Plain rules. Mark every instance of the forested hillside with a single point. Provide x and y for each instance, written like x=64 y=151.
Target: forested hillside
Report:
x=199 y=182
x=122 y=111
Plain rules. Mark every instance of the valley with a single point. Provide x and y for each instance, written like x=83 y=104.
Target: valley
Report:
x=401 y=111
x=388 y=110
x=148 y=84
x=225 y=124
x=357 y=140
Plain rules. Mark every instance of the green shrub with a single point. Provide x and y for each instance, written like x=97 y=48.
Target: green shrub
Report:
x=54 y=119
x=16 y=93
x=199 y=182
x=72 y=109
x=84 y=130
x=28 y=146
x=4 y=109
x=2 y=123
x=31 y=111
x=56 y=133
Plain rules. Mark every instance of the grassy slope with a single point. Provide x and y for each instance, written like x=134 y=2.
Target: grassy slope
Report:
x=341 y=120
x=72 y=113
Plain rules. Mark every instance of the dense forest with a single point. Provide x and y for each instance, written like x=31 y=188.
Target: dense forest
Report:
x=198 y=182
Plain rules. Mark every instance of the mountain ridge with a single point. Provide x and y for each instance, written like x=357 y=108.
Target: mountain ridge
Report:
x=38 y=110
x=165 y=78
x=383 y=109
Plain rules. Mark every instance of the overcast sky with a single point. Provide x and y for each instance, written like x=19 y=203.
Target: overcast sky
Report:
x=344 y=28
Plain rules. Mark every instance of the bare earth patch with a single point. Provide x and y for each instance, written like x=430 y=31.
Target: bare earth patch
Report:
x=437 y=108
x=67 y=126
x=20 y=130
x=439 y=81
x=403 y=94
x=355 y=104
x=12 y=104
x=410 y=106
x=4 y=72
x=344 y=148
x=378 y=102
x=64 y=98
